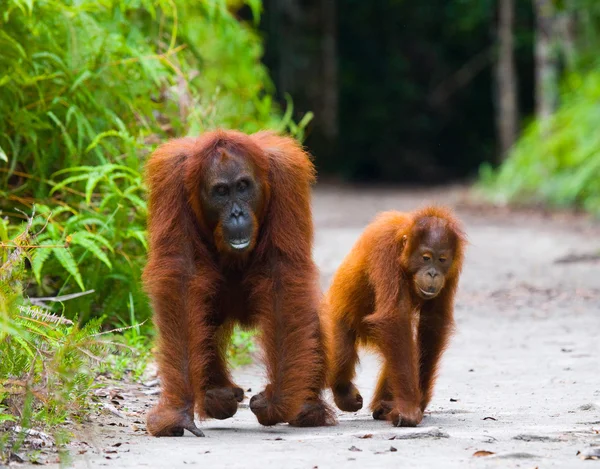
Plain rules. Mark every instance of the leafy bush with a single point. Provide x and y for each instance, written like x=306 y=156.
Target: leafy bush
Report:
x=87 y=90
x=557 y=163
x=107 y=239
x=45 y=371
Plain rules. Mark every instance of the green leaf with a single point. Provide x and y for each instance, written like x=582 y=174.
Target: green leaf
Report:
x=40 y=256
x=17 y=46
x=93 y=180
x=75 y=169
x=3 y=230
x=83 y=77
x=7 y=418
x=103 y=135
x=3 y=155
x=305 y=120
x=140 y=235
x=97 y=238
x=69 y=180
x=138 y=202
x=24 y=344
x=88 y=242
x=66 y=136
x=65 y=258
x=83 y=222
x=256 y=7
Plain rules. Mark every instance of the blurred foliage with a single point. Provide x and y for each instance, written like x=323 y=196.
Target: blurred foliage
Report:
x=586 y=16
x=405 y=114
x=242 y=347
x=558 y=162
x=87 y=89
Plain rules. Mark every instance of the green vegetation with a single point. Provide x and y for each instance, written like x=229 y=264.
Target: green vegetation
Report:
x=557 y=162
x=48 y=361
x=88 y=89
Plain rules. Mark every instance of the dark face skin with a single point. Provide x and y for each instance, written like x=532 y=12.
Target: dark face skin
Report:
x=432 y=257
x=231 y=198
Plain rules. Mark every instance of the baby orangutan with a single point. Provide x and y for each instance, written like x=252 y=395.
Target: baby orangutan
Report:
x=395 y=290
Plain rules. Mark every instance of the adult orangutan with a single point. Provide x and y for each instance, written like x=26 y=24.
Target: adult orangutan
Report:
x=230 y=242
x=395 y=290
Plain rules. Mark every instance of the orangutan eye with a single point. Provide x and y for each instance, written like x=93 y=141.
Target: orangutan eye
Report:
x=442 y=259
x=242 y=185
x=426 y=257
x=221 y=189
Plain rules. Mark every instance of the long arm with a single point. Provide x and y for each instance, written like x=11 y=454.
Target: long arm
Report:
x=292 y=344
x=167 y=276
x=436 y=325
x=286 y=293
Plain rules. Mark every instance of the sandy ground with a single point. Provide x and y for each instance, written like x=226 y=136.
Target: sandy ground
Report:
x=520 y=380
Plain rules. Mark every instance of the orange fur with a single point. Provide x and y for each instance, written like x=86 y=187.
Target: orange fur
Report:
x=198 y=293
x=372 y=300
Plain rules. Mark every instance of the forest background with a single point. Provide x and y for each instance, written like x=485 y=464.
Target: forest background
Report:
x=501 y=94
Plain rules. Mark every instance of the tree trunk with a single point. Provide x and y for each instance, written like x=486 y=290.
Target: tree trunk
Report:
x=565 y=32
x=546 y=60
x=330 y=76
x=506 y=79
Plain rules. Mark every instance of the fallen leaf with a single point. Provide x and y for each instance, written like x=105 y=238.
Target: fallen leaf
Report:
x=365 y=436
x=392 y=449
x=489 y=418
x=453 y=400
x=354 y=448
x=482 y=453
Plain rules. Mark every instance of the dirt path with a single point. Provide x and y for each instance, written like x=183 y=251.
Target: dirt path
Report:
x=521 y=378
